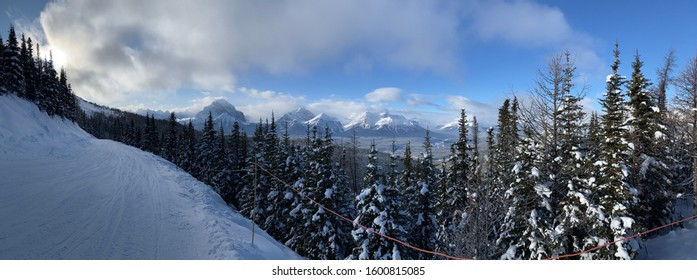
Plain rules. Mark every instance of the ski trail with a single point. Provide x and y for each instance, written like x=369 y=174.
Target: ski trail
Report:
x=66 y=195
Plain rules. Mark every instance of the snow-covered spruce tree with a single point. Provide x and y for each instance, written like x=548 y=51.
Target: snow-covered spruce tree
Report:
x=345 y=202
x=475 y=237
x=187 y=150
x=423 y=231
x=526 y=232
x=255 y=200
x=300 y=206
x=575 y=214
x=407 y=183
x=23 y=54
x=280 y=196
x=647 y=162
x=321 y=234
x=614 y=193
x=49 y=88
x=30 y=71
x=207 y=151
x=505 y=151
x=373 y=206
x=2 y=67
x=490 y=200
x=12 y=65
x=221 y=166
x=238 y=162
x=171 y=139
x=456 y=192
x=554 y=95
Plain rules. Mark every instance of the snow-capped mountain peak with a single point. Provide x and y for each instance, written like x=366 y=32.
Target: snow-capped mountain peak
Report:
x=323 y=120
x=451 y=126
x=384 y=125
x=301 y=114
x=395 y=121
x=365 y=120
x=223 y=113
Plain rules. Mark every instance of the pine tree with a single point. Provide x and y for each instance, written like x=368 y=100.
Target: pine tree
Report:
x=373 y=205
x=613 y=190
x=423 y=232
x=650 y=155
x=573 y=211
x=171 y=139
x=526 y=232
x=12 y=65
x=238 y=158
x=207 y=152
x=3 y=89
x=322 y=239
x=456 y=193
x=29 y=71
x=187 y=150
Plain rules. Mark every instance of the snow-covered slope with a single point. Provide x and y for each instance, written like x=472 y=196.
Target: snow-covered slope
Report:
x=680 y=244
x=222 y=112
x=66 y=195
x=91 y=108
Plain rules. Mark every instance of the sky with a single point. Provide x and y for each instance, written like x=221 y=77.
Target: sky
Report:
x=422 y=59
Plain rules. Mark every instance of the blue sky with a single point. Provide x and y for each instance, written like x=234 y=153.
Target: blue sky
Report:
x=422 y=59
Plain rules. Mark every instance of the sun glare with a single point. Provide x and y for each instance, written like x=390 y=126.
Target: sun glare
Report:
x=59 y=58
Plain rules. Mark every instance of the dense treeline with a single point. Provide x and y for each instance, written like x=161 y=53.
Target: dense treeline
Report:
x=34 y=78
x=548 y=181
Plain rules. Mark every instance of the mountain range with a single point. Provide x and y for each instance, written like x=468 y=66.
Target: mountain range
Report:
x=297 y=122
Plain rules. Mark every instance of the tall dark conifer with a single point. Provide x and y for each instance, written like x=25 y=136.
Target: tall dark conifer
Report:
x=613 y=192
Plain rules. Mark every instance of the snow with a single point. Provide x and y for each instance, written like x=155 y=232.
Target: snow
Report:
x=679 y=244
x=510 y=253
x=516 y=168
x=543 y=190
x=424 y=189
x=67 y=195
x=90 y=108
x=659 y=135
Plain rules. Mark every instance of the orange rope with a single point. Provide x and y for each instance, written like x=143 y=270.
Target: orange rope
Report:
x=360 y=225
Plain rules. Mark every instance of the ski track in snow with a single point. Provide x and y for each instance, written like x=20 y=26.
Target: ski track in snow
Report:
x=67 y=195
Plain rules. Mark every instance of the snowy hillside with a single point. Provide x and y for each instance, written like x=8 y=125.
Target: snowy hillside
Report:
x=67 y=195
x=91 y=108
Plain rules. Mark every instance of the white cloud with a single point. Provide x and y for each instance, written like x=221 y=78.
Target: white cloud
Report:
x=520 y=22
x=258 y=104
x=118 y=51
x=486 y=114
x=384 y=94
x=117 y=48
x=340 y=109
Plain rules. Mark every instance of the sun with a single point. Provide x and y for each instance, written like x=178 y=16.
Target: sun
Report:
x=59 y=58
